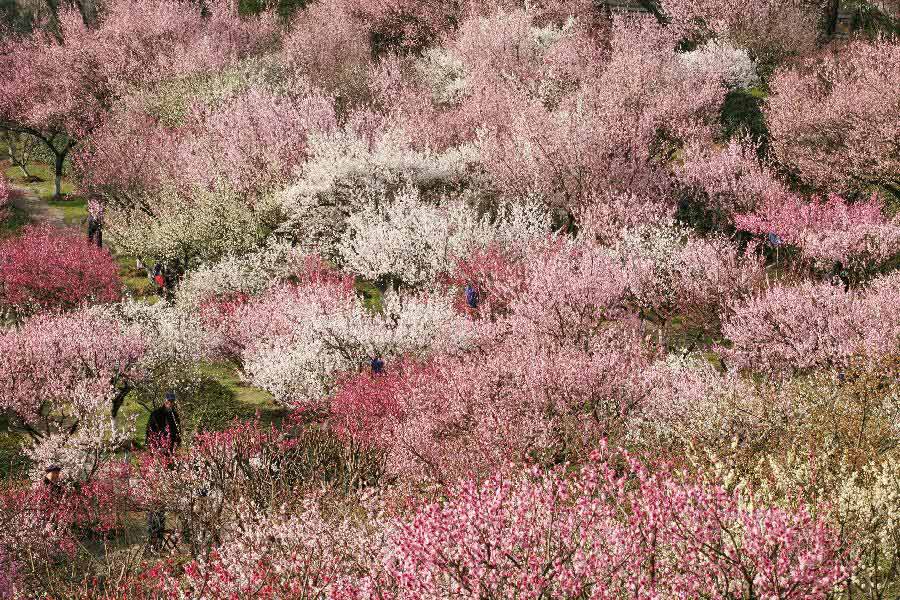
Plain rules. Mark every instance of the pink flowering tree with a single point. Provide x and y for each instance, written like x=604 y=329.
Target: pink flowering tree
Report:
x=613 y=133
x=724 y=181
x=63 y=379
x=610 y=528
x=329 y=45
x=411 y=26
x=771 y=29
x=60 y=88
x=673 y=273
x=458 y=416
x=835 y=120
x=198 y=183
x=550 y=536
x=828 y=231
x=52 y=269
x=790 y=329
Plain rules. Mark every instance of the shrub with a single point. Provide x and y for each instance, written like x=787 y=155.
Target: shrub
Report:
x=48 y=269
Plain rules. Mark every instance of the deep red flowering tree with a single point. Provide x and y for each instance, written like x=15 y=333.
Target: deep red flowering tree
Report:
x=47 y=269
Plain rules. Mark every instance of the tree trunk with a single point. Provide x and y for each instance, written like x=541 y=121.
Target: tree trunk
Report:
x=60 y=160
x=831 y=16
x=88 y=9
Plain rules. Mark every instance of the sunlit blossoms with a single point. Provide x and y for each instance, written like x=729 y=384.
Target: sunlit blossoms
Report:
x=538 y=299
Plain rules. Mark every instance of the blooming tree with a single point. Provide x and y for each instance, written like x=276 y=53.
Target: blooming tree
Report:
x=349 y=167
x=412 y=240
x=795 y=328
x=59 y=88
x=771 y=29
x=835 y=121
x=829 y=231
x=614 y=132
x=729 y=180
x=64 y=378
x=554 y=537
x=720 y=58
x=329 y=46
x=49 y=269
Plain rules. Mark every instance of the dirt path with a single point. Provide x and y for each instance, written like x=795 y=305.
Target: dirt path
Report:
x=38 y=212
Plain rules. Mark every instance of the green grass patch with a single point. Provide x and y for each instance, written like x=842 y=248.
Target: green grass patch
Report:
x=45 y=188
x=13 y=462
x=12 y=220
x=210 y=404
x=135 y=279
x=742 y=114
x=371 y=295
x=73 y=209
x=248 y=396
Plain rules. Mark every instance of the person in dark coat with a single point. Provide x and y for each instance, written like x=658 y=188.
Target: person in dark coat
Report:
x=377 y=365
x=51 y=479
x=95 y=222
x=472 y=297
x=164 y=425
x=163 y=428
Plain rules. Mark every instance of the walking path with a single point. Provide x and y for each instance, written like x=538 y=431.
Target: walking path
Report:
x=30 y=203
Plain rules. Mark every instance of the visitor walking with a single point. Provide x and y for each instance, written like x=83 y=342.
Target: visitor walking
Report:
x=164 y=426
x=163 y=432
x=95 y=222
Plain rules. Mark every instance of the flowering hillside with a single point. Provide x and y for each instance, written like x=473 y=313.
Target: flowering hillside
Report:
x=453 y=300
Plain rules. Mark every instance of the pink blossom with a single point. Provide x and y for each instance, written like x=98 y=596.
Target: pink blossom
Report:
x=772 y=29
x=50 y=269
x=836 y=120
x=831 y=230
x=48 y=357
x=795 y=328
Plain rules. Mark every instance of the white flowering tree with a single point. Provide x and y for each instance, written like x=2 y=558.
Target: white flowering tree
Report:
x=410 y=239
x=348 y=169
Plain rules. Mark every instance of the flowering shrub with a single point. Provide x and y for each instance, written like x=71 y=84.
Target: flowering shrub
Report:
x=48 y=269
x=789 y=329
x=718 y=58
x=828 y=231
x=835 y=120
x=538 y=534
x=771 y=29
x=411 y=240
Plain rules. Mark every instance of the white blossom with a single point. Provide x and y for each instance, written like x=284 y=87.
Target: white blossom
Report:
x=719 y=57
x=413 y=240
x=344 y=172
